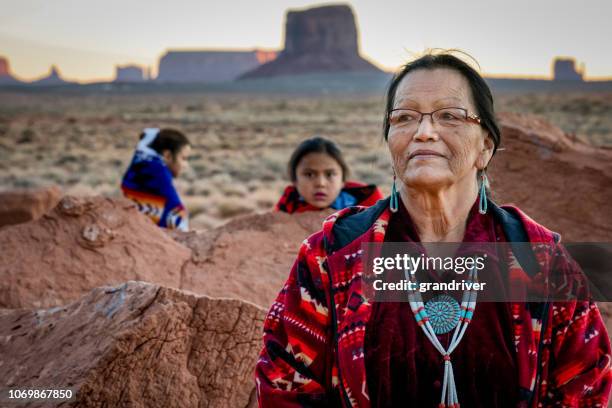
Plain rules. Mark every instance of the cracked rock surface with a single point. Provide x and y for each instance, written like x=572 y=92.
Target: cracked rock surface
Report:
x=136 y=345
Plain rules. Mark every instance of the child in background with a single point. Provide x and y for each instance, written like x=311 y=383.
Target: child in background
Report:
x=318 y=173
x=160 y=156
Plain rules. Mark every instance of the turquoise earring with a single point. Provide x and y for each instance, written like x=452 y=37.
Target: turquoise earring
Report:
x=393 y=203
x=484 y=184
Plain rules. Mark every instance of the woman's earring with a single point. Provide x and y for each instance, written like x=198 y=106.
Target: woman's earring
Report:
x=484 y=184
x=393 y=203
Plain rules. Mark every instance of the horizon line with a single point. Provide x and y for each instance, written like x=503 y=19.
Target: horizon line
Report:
x=91 y=81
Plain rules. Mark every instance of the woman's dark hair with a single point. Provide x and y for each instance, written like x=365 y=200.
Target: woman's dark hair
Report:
x=169 y=139
x=481 y=94
x=316 y=145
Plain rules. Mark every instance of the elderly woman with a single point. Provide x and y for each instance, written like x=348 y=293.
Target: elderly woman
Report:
x=327 y=344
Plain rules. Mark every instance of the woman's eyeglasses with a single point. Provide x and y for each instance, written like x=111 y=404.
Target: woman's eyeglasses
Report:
x=410 y=119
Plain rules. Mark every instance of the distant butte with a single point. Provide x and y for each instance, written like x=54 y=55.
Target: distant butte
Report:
x=322 y=39
x=209 y=66
x=6 y=78
x=53 y=78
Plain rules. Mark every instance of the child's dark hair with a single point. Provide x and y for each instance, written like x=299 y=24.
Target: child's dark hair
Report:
x=169 y=139
x=316 y=145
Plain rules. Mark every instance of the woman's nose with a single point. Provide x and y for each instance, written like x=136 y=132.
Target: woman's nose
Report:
x=426 y=130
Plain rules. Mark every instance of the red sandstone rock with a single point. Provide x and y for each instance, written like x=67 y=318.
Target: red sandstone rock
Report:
x=18 y=206
x=4 y=67
x=250 y=257
x=137 y=345
x=84 y=243
x=88 y=242
x=6 y=77
x=561 y=183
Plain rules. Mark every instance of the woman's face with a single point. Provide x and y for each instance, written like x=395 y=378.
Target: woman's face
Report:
x=177 y=163
x=432 y=156
x=318 y=179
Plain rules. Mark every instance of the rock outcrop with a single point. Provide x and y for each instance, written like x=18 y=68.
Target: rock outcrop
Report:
x=137 y=345
x=88 y=242
x=18 y=206
x=564 y=69
x=129 y=73
x=322 y=40
x=248 y=258
x=6 y=77
x=51 y=79
x=559 y=181
x=82 y=244
x=4 y=67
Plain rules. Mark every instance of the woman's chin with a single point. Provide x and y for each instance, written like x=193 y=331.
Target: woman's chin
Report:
x=426 y=179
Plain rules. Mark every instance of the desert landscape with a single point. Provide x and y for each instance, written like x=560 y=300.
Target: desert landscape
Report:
x=99 y=291
x=83 y=143
x=241 y=143
x=99 y=302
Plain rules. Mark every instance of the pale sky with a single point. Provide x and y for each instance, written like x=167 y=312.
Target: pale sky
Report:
x=86 y=38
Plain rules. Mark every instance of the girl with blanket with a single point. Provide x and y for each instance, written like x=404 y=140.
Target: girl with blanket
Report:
x=318 y=173
x=160 y=156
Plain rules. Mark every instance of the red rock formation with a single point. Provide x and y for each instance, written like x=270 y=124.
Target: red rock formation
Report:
x=265 y=56
x=89 y=242
x=6 y=78
x=137 y=345
x=248 y=258
x=4 y=67
x=320 y=39
x=82 y=244
x=18 y=206
x=562 y=183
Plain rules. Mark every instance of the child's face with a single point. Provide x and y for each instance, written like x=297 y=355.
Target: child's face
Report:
x=178 y=163
x=318 y=179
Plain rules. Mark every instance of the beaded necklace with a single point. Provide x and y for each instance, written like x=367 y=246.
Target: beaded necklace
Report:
x=440 y=315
